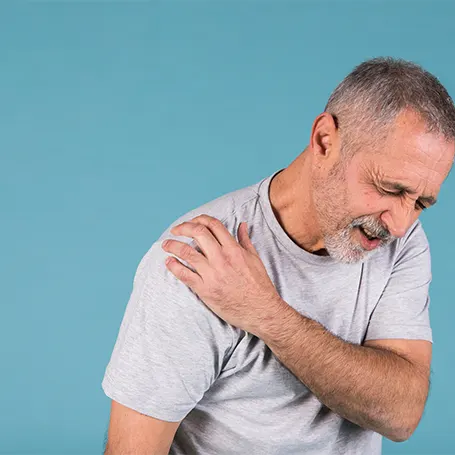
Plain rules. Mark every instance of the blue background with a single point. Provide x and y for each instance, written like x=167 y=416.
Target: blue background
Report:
x=118 y=117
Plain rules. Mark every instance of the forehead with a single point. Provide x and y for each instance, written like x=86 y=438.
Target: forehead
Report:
x=413 y=156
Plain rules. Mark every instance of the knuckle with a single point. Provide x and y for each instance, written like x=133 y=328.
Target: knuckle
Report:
x=183 y=274
x=234 y=253
x=186 y=250
x=226 y=261
x=213 y=222
x=200 y=229
x=202 y=217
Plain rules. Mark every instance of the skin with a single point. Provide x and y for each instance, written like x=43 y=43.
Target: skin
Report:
x=383 y=384
x=321 y=192
x=131 y=432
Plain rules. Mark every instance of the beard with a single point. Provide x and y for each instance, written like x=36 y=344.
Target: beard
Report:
x=344 y=248
x=338 y=229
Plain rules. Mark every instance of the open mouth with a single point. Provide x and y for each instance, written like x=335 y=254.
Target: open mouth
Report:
x=368 y=240
x=367 y=234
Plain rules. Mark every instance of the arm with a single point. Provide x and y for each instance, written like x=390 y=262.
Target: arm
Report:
x=169 y=350
x=381 y=386
x=131 y=432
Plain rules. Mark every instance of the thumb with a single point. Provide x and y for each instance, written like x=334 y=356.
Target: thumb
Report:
x=244 y=239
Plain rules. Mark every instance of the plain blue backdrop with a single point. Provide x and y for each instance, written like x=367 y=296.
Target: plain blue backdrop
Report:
x=116 y=117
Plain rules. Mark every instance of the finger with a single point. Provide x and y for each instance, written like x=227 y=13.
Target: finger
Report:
x=184 y=274
x=186 y=252
x=218 y=229
x=202 y=235
x=244 y=238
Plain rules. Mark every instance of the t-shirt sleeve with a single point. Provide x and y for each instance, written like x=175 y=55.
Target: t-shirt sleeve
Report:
x=403 y=308
x=170 y=347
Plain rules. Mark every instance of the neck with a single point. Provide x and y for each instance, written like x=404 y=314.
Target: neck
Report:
x=292 y=204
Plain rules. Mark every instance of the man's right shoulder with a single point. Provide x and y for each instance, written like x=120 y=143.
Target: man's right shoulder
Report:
x=154 y=284
x=170 y=347
x=225 y=208
x=158 y=286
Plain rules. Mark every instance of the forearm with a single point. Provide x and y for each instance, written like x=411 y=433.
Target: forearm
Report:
x=374 y=388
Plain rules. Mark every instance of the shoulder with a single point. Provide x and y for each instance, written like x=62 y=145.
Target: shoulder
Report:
x=167 y=301
x=161 y=296
x=405 y=259
x=167 y=298
x=226 y=208
x=414 y=246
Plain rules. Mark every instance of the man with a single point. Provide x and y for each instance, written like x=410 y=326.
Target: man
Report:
x=310 y=334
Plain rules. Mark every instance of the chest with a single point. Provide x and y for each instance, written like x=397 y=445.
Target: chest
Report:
x=340 y=297
x=258 y=391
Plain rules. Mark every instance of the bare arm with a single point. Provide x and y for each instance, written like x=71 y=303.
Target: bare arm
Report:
x=131 y=432
x=381 y=386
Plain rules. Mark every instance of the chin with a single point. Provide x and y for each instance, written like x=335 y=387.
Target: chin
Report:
x=350 y=257
x=344 y=249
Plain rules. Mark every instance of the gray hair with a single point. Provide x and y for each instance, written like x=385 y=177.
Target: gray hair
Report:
x=376 y=91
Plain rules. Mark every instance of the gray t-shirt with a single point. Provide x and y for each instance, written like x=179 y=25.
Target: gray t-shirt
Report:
x=175 y=360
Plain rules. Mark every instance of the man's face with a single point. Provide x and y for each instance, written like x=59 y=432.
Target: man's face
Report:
x=365 y=203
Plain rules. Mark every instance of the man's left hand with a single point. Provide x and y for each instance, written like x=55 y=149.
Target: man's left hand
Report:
x=229 y=276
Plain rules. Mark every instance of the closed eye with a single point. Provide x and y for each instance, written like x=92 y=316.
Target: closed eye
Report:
x=418 y=205
x=391 y=193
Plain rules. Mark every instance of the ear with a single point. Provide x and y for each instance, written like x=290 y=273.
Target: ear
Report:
x=324 y=141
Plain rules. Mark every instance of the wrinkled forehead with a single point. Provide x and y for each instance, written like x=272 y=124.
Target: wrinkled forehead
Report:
x=409 y=150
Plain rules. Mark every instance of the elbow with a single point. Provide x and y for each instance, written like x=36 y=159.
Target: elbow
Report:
x=406 y=422
x=403 y=431
x=400 y=435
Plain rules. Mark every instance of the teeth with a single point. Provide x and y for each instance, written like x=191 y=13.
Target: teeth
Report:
x=367 y=232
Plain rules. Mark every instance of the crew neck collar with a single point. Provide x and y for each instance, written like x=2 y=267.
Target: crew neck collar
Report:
x=280 y=233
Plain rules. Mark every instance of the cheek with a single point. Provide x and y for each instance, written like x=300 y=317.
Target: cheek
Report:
x=367 y=201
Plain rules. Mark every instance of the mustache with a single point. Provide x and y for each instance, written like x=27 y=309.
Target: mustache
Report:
x=374 y=226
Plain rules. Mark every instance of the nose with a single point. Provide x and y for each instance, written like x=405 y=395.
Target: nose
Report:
x=398 y=219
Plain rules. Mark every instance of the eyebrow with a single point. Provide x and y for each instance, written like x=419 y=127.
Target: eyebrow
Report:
x=430 y=200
